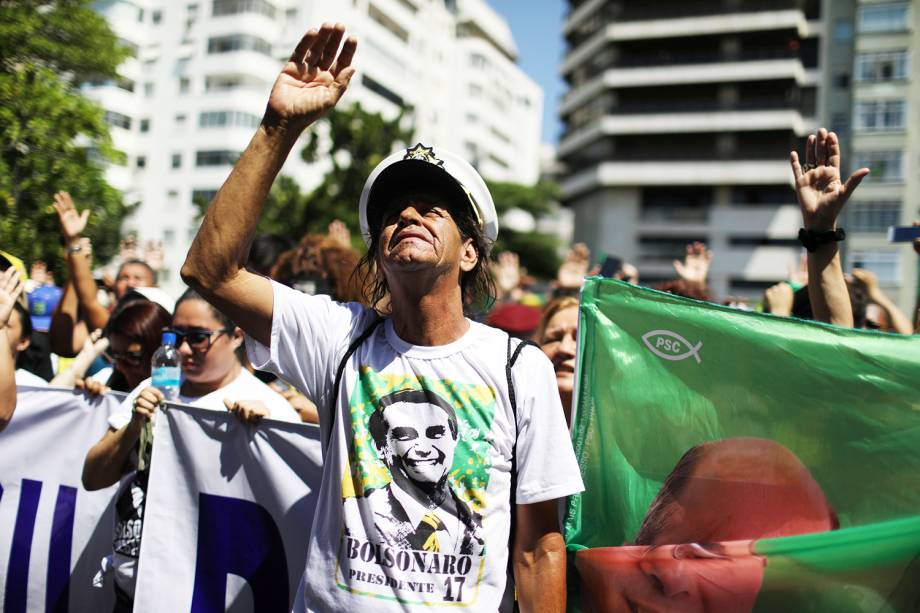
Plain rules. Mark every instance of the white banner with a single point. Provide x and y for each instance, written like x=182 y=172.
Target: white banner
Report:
x=228 y=513
x=53 y=533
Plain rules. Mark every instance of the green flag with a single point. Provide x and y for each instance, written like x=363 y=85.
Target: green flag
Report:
x=736 y=461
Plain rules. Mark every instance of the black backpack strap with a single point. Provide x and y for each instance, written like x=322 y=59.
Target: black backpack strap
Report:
x=341 y=371
x=512 y=356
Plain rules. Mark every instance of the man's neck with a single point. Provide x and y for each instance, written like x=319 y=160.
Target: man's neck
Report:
x=428 y=314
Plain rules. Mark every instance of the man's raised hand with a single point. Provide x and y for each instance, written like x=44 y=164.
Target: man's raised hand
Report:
x=818 y=187
x=314 y=78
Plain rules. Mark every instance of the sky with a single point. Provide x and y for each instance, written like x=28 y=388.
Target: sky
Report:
x=537 y=29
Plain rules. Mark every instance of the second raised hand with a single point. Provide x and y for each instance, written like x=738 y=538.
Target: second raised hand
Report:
x=314 y=78
x=72 y=222
x=818 y=186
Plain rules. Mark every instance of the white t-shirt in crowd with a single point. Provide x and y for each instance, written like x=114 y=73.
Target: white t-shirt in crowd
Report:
x=414 y=508
x=27 y=379
x=245 y=387
x=130 y=500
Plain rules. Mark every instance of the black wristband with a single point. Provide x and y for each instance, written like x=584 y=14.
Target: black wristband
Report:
x=811 y=239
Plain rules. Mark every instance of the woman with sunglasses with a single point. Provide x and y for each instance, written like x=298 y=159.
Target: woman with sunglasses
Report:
x=213 y=378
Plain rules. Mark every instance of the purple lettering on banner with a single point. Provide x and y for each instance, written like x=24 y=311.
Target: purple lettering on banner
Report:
x=239 y=537
x=17 y=577
x=57 y=590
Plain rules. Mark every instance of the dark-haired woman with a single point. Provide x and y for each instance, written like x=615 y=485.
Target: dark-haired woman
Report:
x=213 y=378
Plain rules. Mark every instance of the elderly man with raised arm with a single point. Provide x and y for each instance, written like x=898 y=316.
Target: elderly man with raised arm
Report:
x=446 y=447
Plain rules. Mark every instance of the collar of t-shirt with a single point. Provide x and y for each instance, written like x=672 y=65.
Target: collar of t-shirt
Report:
x=430 y=351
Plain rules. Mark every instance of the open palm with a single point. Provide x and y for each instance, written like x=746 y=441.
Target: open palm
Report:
x=820 y=192
x=315 y=76
x=72 y=221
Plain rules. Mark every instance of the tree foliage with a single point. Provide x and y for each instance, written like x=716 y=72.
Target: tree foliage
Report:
x=51 y=137
x=538 y=252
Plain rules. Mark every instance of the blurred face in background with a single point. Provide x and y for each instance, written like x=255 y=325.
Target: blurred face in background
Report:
x=131 y=276
x=209 y=351
x=558 y=342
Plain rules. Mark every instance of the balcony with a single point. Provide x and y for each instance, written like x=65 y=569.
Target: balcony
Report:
x=716 y=120
x=674 y=173
x=789 y=68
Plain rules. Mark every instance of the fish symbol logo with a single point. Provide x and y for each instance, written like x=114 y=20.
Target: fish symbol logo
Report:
x=671 y=346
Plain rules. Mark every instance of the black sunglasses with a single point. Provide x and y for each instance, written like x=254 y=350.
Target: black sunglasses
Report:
x=130 y=357
x=199 y=339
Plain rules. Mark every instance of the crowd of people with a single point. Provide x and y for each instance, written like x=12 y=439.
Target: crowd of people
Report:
x=302 y=310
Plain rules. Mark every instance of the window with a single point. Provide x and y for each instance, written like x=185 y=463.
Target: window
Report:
x=177 y=160
x=881 y=66
x=843 y=30
x=840 y=123
x=880 y=115
x=886 y=166
x=221 y=157
x=156 y=17
x=145 y=125
x=118 y=120
x=220 y=119
x=234 y=7
x=180 y=120
x=883 y=17
x=141 y=161
x=148 y=90
x=203 y=197
x=184 y=85
x=842 y=80
x=388 y=23
x=224 y=83
x=873 y=216
x=884 y=264
x=169 y=237
x=382 y=90
x=239 y=42
x=478 y=61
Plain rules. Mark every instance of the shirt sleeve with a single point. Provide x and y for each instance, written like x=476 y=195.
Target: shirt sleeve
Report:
x=546 y=464
x=309 y=336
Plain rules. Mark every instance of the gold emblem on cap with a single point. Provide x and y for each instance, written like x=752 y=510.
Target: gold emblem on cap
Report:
x=423 y=153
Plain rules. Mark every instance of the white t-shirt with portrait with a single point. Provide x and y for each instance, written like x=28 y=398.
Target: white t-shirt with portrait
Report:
x=414 y=511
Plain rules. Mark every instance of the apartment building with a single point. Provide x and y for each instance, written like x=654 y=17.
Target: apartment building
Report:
x=679 y=120
x=187 y=103
x=883 y=40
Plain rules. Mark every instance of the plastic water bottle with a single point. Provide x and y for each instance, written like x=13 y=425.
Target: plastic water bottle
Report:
x=167 y=373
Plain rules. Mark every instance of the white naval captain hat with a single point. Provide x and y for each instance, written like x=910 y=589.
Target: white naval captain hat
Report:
x=421 y=167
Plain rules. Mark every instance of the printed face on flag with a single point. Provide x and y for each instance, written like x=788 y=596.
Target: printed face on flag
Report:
x=687 y=578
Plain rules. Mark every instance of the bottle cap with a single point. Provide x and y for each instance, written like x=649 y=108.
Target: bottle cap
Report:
x=169 y=338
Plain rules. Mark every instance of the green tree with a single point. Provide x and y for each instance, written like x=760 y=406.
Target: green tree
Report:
x=538 y=252
x=51 y=137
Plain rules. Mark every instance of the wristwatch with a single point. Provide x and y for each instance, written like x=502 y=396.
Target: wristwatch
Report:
x=811 y=239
